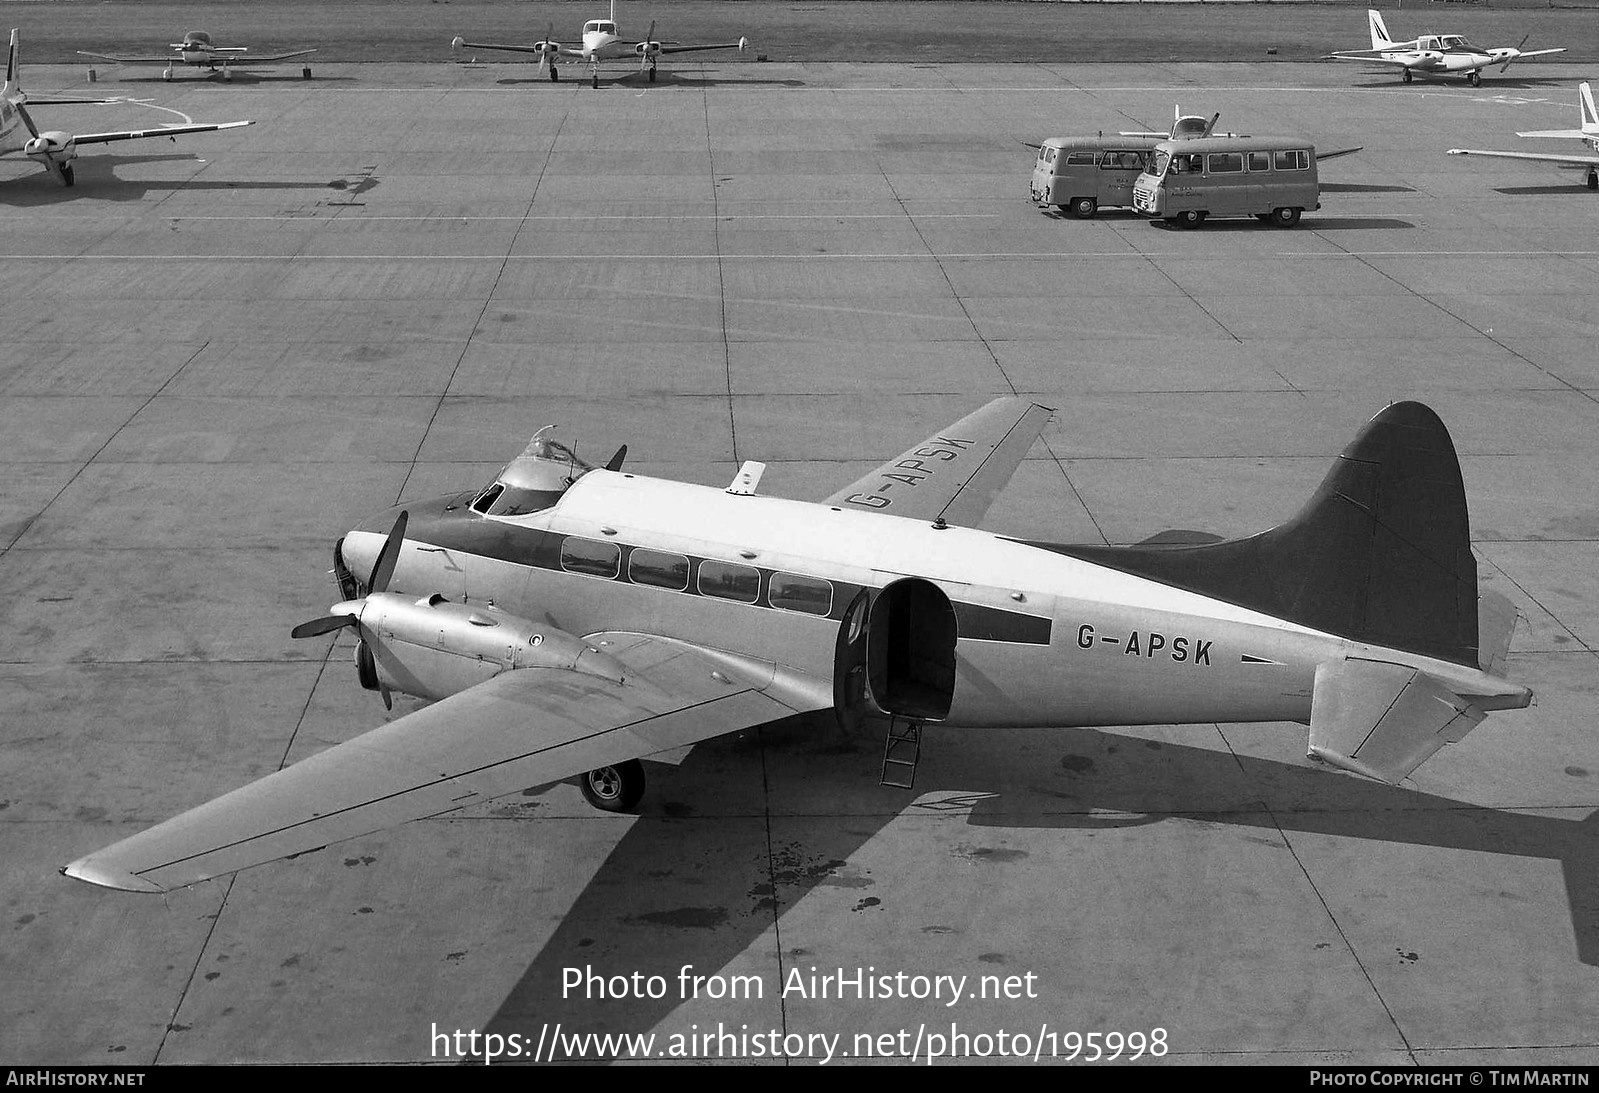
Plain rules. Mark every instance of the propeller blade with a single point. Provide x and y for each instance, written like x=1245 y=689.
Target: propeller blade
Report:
x=383 y=568
x=1211 y=124
x=615 y=463
x=325 y=625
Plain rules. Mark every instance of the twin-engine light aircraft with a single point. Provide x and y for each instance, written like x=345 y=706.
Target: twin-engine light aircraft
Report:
x=602 y=41
x=1588 y=134
x=1435 y=54
x=1185 y=127
x=571 y=620
x=54 y=149
x=198 y=49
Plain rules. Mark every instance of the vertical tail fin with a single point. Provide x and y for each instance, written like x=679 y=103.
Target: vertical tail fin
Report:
x=1590 y=117
x=11 y=62
x=1379 y=32
x=1380 y=554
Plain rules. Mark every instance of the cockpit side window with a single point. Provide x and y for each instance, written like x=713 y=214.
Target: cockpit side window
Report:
x=485 y=500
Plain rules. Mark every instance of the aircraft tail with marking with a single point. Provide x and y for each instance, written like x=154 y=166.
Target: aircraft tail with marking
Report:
x=11 y=66
x=1379 y=32
x=1381 y=555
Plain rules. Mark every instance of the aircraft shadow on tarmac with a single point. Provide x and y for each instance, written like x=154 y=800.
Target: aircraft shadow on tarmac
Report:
x=1578 y=187
x=237 y=79
x=1489 y=86
x=664 y=80
x=742 y=895
x=1363 y=188
x=96 y=177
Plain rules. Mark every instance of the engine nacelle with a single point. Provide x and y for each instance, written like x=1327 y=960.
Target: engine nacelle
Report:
x=647 y=49
x=432 y=648
x=51 y=149
x=547 y=48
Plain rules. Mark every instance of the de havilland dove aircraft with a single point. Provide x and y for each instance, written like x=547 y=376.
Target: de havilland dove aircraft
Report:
x=1588 y=134
x=602 y=41
x=198 y=49
x=53 y=148
x=1185 y=127
x=1436 y=54
x=569 y=620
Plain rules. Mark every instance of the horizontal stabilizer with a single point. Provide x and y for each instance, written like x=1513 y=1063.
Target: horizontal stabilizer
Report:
x=1383 y=720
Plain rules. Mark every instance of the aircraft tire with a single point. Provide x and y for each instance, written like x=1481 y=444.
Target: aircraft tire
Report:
x=1084 y=208
x=67 y=178
x=1285 y=218
x=615 y=788
x=555 y=77
x=652 y=73
x=1474 y=79
x=1593 y=180
x=1404 y=74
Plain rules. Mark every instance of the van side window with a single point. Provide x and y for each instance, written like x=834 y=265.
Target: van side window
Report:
x=1123 y=161
x=588 y=556
x=1259 y=161
x=796 y=593
x=1296 y=160
x=1081 y=159
x=1226 y=163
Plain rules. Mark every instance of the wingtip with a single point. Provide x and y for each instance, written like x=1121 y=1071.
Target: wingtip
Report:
x=87 y=870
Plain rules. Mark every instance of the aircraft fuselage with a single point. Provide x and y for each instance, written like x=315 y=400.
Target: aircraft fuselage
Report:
x=1042 y=638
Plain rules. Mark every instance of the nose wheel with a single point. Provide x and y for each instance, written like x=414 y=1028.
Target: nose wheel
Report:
x=1474 y=78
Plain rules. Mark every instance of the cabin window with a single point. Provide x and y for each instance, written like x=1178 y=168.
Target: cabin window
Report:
x=795 y=593
x=1123 y=161
x=1295 y=160
x=487 y=498
x=1226 y=163
x=1081 y=159
x=729 y=581
x=1259 y=161
x=658 y=568
x=1193 y=164
x=591 y=558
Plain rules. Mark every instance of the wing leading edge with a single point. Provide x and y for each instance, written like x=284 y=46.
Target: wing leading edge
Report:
x=955 y=474
x=526 y=727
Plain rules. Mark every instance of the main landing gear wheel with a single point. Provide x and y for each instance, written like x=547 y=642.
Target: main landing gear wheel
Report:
x=652 y=73
x=1474 y=79
x=1593 y=180
x=614 y=788
x=66 y=174
x=596 y=79
x=555 y=77
x=1404 y=74
x=1084 y=208
x=1285 y=218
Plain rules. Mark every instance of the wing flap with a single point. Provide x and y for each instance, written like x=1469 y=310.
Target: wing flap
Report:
x=522 y=728
x=1384 y=720
x=955 y=474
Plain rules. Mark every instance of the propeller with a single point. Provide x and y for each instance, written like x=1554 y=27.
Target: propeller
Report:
x=544 y=54
x=1211 y=124
x=382 y=573
x=1515 y=52
x=644 y=48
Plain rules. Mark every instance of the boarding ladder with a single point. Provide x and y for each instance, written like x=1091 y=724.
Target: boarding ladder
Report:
x=902 y=749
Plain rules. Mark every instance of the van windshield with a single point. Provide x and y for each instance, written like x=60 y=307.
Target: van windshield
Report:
x=1157 y=165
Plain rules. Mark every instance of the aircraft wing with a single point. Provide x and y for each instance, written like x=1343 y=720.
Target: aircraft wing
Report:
x=267 y=58
x=1540 y=157
x=955 y=474
x=160 y=131
x=509 y=49
x=522 y=728
x=1524 y=54
x=1390 y=57
x=1320 y=156
x=740 y=44
x=146 y=59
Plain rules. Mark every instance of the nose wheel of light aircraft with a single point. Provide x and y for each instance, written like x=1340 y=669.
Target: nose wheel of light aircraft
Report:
x=615 y=788
x=652 y=73
x=166 y=74
x=555 y=77
x=1404 y=74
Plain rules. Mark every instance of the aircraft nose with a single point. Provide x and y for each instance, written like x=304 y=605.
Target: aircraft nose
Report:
x=358 y=550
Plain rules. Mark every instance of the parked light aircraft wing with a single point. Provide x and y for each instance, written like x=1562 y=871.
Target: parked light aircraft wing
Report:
x=525 y=727
x=1541 y=157
x=235 y=55
x=742 y=43
x=955 y=474
x=123 y=59
x=158 y=131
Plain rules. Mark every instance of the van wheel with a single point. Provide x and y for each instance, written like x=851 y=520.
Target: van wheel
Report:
x=1084 y=208
x=1190 y=218
x=1285 y=218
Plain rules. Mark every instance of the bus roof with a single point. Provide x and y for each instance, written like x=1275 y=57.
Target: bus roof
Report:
x=1100 y=143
